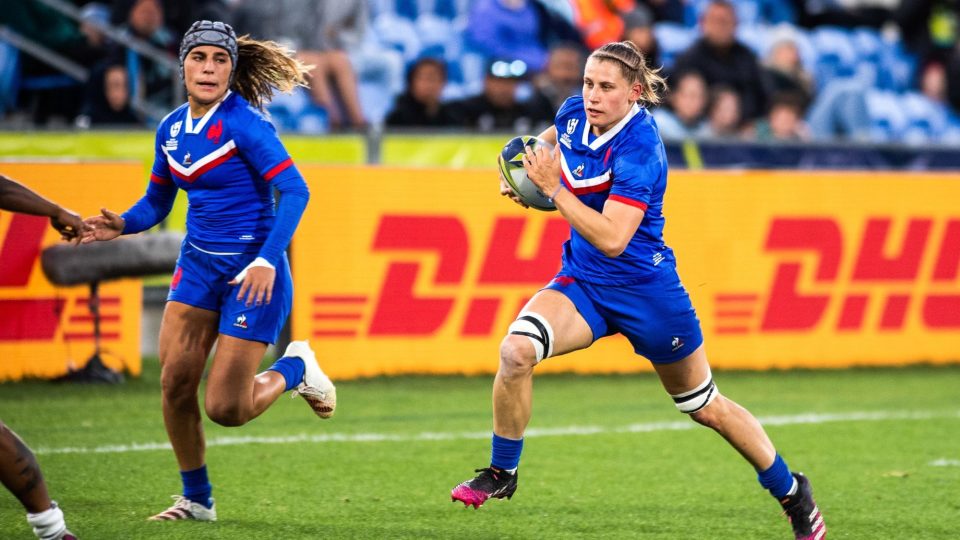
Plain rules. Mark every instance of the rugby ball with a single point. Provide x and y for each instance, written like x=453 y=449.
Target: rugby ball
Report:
x=510 y=162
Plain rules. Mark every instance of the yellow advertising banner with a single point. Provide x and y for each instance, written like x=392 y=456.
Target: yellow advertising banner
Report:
x=422 y=270
x=46 y=330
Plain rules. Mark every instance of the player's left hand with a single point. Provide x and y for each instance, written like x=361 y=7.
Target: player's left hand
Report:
x=543 y=167
x=69 y=224
x=256 y=283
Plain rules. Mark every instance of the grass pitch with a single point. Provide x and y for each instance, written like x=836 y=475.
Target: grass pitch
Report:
x=606 y=457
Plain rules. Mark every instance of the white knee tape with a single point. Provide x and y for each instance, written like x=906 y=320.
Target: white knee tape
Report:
x=698 y=398
x=535 y=328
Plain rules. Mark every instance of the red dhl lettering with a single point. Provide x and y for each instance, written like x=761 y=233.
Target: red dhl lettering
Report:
x=877 y=271
x=398 y=309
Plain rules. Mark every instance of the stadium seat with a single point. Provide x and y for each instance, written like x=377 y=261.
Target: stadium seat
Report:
x=9 y=76
x=836 y=56
x=398 y=33
x=888 y=122
x=438 y=37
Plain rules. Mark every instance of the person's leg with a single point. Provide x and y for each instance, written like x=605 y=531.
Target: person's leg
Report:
x=20 y=472
x=513 y=385
x=341 y=70
x=549 y=325
x=690 y=383
x=235 y=393
x=187 y=335
x=320 y=85
x=730 y=420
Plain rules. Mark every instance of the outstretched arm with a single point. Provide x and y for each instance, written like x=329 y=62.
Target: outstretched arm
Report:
x=18 y=198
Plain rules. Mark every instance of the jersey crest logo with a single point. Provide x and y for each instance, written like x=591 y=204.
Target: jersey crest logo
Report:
x=572 y=125
x=579 y=170
x=186 y=159
x=214 y=131
x=175 y=128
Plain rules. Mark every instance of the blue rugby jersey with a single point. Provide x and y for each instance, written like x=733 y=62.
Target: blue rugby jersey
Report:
x=627 y=164
x=228 y=162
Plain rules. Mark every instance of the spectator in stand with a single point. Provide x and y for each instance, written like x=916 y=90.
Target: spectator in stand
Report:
x=723 y=60
x=507 y=29
x=849 y=14
x=563 y=76
x=420 y=105
x=784 y=122
x=178 y=15
x=47 y=27
x=108 y=99
x=599 y=21
x=784 y=72
x=151 y=80
x=638 y=28
x=322 y=33
x=930 y=28
x=724 y=119
x=683 y=117
x=498 y=106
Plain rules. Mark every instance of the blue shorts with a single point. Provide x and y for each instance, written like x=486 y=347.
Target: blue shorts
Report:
x=656 y=316
x=201 y=280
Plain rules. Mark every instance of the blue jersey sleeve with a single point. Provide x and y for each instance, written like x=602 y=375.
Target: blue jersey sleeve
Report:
x=260 y=146
x=635 y=175
x=154 y=206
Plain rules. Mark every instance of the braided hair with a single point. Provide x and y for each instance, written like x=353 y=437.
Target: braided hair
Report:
x=634 y=69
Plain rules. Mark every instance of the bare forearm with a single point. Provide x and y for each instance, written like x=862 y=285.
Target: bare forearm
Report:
x=16 y=197
x=596 y=228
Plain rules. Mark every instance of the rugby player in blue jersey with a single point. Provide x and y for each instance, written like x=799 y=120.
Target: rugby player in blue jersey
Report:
x=607 y=178
x=232 y=283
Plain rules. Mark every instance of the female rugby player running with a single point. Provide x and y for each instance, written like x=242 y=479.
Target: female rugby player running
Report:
x=232 y=283
x=608 y=179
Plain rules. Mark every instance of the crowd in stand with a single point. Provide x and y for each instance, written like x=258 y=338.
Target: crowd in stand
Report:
x=507 y=65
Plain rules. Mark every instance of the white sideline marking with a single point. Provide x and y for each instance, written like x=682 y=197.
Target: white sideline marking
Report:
x=649 y=427
x=945 y=463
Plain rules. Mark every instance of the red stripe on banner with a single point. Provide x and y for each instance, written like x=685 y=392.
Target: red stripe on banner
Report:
x=21 y=247
x=334 y=333
x=104 y=301
x=30 y=319
x=732 y=330
x=319 y=299
x=156 y=179
x=268 y=176
x=337 y=316
x=88 y=336
x=89 y=318
x=629 y=202
x=737 y=297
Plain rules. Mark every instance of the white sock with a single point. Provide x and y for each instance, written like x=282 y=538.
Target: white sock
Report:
x=48 y=524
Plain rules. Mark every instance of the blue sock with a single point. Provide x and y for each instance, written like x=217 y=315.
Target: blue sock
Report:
x=291 y=367
x=506 y=453
x=777 y=479
x=196 y=486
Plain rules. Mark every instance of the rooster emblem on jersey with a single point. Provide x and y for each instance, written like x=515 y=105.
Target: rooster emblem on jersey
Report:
x=214 y=131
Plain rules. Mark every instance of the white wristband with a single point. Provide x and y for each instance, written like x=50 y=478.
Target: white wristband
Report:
x=259 y=261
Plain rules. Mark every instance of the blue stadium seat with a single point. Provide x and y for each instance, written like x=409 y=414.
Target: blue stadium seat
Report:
x=9 y=76
x=438 y=37
x=836 y=56
x=398 y=33
x=888 y=121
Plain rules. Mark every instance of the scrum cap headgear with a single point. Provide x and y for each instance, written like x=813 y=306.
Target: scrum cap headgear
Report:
x=216 y=33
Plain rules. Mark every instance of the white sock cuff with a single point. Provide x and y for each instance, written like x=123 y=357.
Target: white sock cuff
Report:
x=48 y=524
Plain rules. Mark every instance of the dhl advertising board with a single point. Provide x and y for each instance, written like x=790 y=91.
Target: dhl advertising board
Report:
x=45 y=330
x=421 y=271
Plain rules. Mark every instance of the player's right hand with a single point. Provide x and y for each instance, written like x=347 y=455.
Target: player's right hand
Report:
x=106 y=226
x=68 y=224
x=507 y=191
